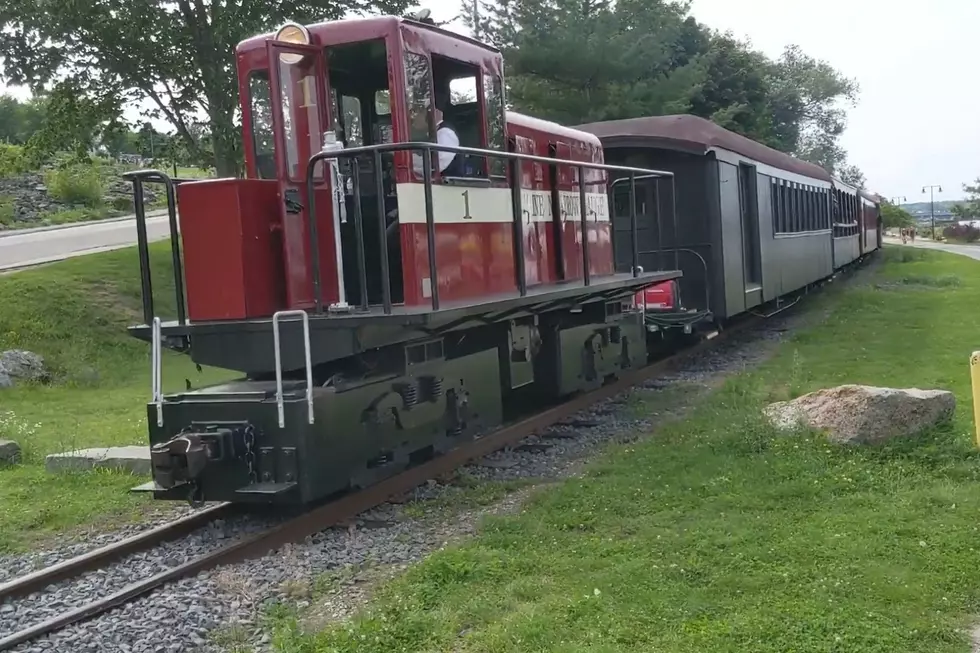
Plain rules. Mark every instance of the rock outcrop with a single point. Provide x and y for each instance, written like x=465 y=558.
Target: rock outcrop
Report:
x=861 y=414
x=9 y=452
x=32 y=201
x=21 y=365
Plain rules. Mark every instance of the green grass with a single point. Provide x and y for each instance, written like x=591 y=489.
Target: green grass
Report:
x=75 y=314
x=718 y=534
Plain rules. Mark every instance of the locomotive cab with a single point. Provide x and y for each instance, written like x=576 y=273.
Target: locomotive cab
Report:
x=371 y=82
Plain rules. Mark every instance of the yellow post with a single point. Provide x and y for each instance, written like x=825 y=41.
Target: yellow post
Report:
x=975 y=379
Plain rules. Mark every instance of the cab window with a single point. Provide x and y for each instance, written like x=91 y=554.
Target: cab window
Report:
x=263 y=137
x=493 y=95
x=456 y=86
x=358 y=74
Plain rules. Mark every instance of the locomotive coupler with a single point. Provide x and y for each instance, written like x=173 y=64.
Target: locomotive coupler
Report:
x=179 y=460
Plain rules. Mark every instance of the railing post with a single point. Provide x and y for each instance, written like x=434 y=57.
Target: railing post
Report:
x=359 y=232
x=382 y=234
x=175 y=248
x=314 y=234
x=143 y=248
x=673 y=209
x=430 y=226
x=656 y=218
x=586 y=273
x=518 y=209
x=634 y=246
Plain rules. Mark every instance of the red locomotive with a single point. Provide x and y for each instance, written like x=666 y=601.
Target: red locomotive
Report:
x=385 y=295
x=405 y=261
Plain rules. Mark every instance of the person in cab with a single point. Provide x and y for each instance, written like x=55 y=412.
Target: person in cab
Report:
x=448 y=162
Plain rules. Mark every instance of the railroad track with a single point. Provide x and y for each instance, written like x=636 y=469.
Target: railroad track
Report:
x=317 y=519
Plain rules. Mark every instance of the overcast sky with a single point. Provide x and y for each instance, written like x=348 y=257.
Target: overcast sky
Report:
x=917 y=121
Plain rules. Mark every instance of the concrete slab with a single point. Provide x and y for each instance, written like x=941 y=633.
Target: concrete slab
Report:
x=134 y=459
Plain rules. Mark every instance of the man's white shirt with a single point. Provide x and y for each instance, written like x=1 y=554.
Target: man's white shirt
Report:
x=445 y=136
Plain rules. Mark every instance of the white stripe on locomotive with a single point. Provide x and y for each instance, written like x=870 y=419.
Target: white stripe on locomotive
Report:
x=458 y=204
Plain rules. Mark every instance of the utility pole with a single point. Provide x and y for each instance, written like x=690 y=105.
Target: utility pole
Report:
x=932 y=205
x=476 y=19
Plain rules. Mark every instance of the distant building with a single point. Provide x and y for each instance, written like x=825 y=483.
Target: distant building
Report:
x=941 y=214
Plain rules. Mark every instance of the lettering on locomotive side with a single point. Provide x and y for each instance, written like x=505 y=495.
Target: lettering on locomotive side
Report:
x=597 y=206
x=537 y=203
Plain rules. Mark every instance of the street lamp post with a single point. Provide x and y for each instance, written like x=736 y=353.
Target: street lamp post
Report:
x=932 y=206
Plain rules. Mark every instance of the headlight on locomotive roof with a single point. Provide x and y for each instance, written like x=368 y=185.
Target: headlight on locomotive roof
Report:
x=293 y=33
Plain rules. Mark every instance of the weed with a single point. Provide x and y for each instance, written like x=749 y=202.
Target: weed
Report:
x=76 y=183
x=7 y=211
x=12 y=160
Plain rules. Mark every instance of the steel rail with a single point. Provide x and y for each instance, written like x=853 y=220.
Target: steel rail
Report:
x=351 y=505
x=40 y=579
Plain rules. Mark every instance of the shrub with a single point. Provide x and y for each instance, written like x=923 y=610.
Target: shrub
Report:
x=7 y=210
x=123 y=204
x=962 y=232
x=76 y=183
x=12 y=160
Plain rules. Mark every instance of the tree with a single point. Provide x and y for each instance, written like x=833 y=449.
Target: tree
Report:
x=738 y=93
x=969 y=209
x=894 y=216
x=852 y=175
x=74 y=122
x=819 y=89
x=178 y=54
x=18 y=120
x=576 y=61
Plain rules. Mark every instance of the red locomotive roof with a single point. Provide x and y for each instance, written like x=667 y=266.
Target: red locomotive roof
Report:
x=698 y=136
x=356 y=29
x=554 y=128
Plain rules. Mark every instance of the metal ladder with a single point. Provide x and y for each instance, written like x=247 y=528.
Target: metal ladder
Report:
x=309 y=366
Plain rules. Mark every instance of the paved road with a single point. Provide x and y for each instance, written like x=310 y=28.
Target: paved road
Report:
x=973 y=251
x=18 y=250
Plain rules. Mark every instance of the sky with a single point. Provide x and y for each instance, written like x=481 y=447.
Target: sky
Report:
x=917 y=118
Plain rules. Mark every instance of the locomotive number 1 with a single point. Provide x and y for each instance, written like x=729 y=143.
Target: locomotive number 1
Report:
x=466 y=205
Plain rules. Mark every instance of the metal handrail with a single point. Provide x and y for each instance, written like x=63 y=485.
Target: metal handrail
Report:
x=157 y=176
x=635 y=254
x=704 y=264
x=305 y=317
x=156 y=365
x=427 y=149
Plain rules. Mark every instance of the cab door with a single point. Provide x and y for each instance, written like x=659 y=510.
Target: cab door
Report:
x=299 y=114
